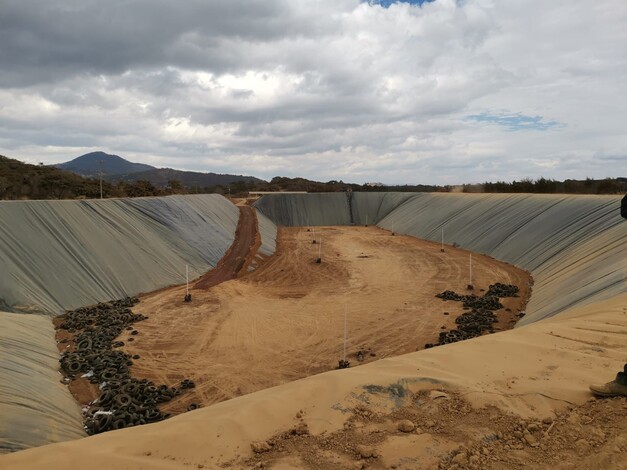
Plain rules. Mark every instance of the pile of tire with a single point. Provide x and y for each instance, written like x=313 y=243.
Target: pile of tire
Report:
x=450 y=295
x=503 y=290
x=481 y=317
x=486 y=302
x=124 y=401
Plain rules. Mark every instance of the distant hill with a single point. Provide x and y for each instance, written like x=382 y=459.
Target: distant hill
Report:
x=89 y=165
x=117 y=169
x=161 y=177
x=20 y=180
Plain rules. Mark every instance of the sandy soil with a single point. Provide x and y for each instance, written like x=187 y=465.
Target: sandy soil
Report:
x=284 y=321
x=517 y=399
x=436 y=429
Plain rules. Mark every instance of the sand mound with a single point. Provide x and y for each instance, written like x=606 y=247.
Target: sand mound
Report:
x=534 y=372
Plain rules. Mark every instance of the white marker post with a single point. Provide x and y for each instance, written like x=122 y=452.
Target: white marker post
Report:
x=345 y=330
x=442 y=247
x=470 y=272
x=188 y=296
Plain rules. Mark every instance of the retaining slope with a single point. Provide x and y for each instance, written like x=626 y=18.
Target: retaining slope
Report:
x=268 y=233
x=574 y=246
x=305 y=209
x=58 y=255
x=35 y=408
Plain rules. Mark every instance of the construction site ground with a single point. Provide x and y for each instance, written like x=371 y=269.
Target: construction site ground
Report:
x=285 y=320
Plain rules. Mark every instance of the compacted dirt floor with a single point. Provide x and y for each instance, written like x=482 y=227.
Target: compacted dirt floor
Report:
x=285 y=320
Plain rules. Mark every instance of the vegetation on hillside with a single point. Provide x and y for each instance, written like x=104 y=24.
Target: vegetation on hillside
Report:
x=20 y=180
x=550 y=186
x=24 y=181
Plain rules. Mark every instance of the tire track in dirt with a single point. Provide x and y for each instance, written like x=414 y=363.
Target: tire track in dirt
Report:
x=284 y=320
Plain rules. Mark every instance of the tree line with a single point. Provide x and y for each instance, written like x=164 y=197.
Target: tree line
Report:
x=20 y=180
x=551 y=186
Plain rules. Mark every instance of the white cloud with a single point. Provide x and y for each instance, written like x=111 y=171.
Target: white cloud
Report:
x=326 y=90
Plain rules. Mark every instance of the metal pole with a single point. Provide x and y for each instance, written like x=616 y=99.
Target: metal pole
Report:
x=100 y=161
x=442 y=239
x=345 y=328
x=320 y=249
x=186 y=280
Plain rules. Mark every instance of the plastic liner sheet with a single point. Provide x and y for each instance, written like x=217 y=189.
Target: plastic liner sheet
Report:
x=267 y=230
x=304 y=210
x=370 y=208
x=35 y=408
x=57 y=255
x=574 y=246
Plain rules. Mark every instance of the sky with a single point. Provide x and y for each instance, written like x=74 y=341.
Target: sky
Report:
x=420 y=92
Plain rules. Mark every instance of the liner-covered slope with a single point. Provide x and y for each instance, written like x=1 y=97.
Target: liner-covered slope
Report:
x=268 y=232
x=58 y=255
x=574 y=246
x=35 y=408
x=369 y=208
x=305 y=209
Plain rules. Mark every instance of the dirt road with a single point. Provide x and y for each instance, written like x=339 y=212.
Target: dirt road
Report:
x=239 y=255
x=285 y=320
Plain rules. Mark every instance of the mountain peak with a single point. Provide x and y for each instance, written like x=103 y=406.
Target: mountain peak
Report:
x=91 y=163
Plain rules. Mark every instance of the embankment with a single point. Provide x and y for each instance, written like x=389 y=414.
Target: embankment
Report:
x=574 y=246
x=59 y=255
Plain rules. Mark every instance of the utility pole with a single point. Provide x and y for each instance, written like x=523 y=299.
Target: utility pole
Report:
x=100 y=162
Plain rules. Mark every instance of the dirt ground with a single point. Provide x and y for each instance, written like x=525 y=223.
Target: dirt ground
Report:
x=239 y=255
x=436 y=429
x=285 y=320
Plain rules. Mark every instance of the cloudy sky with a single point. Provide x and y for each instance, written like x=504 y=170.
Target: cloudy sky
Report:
x=439 y=92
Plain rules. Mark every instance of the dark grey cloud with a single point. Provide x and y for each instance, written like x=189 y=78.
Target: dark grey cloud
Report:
x=333 y=89
x=43 y=40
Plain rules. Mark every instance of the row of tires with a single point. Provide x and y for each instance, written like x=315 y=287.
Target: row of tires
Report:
x=481 y=317
x=124 y=401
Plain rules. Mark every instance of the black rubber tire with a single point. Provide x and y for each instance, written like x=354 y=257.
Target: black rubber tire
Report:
x=102 y=423
x=123 y=399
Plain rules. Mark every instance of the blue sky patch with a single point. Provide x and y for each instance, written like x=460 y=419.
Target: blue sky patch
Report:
x=515 y=122
x=387 y=3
